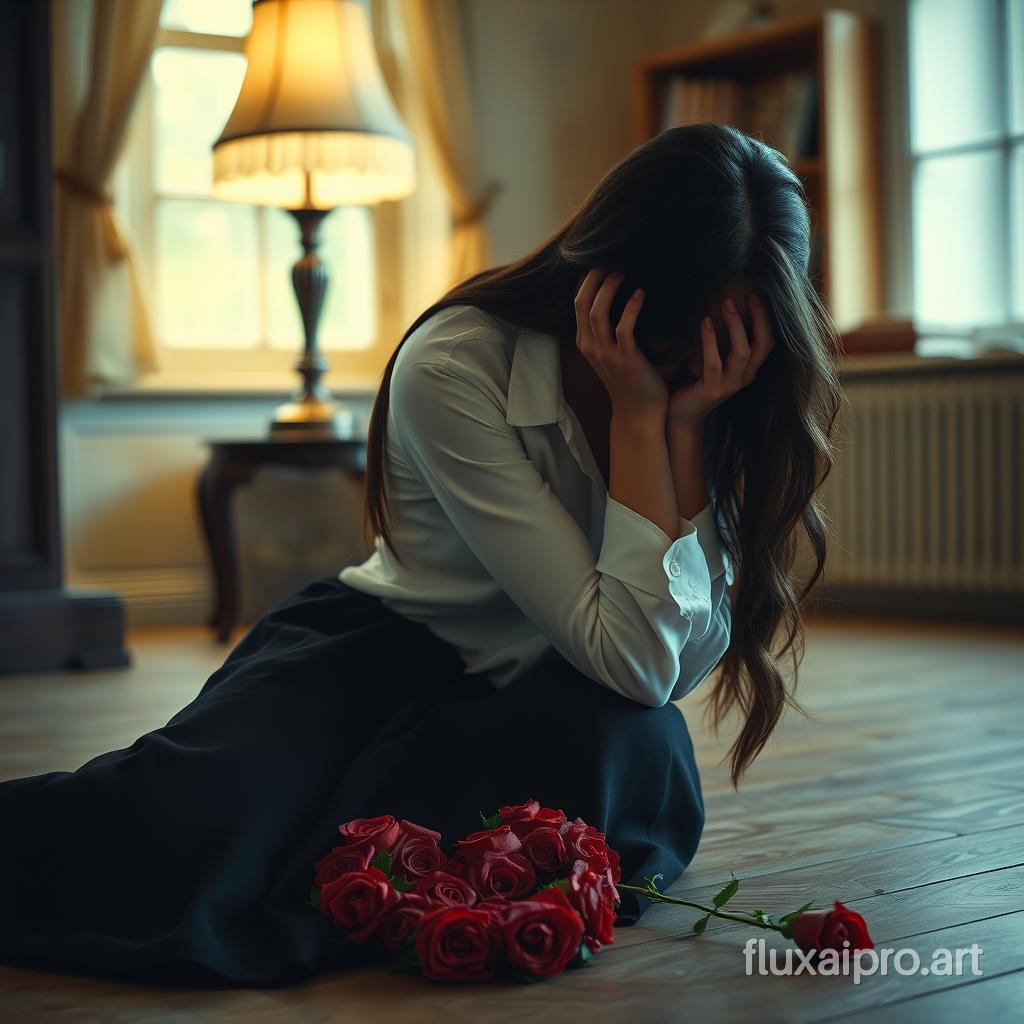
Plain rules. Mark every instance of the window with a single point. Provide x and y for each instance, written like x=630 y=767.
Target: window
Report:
x=966 y=78
x=220 y=273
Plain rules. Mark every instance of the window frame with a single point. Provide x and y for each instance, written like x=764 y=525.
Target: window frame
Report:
x=208 y=369
x=1004 y=144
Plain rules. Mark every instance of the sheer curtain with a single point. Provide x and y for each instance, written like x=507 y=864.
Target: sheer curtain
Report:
x=439 y=67
x=435 y=236
x=101 y=52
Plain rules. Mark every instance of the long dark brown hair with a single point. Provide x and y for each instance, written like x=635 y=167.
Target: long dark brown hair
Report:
x=691 y=212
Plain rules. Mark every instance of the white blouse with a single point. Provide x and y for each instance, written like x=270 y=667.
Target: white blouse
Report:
x=514 y=549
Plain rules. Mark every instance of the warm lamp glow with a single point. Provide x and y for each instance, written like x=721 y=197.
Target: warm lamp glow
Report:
x=313 y=126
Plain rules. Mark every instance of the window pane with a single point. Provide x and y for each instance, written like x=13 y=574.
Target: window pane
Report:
x=219 y=17
x=1017 y=229
x=206 y=274
x=195 y=91
x=954 y=92
x=1015 y=11
x=958 y=240
x=349 y=317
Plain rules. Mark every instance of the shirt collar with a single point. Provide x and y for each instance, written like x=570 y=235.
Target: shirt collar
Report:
x=535 y=380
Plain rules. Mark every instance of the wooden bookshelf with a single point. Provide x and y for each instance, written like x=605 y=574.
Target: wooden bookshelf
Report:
x=842 y=176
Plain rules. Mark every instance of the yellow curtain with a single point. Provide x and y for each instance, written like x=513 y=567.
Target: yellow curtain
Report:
x=101 y=53
x=438 y=55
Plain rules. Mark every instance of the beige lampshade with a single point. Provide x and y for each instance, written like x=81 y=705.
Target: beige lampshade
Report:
x=314 y=125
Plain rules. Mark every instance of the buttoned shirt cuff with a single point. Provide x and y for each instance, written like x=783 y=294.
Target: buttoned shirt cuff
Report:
x=642 y=555
x=710 y=541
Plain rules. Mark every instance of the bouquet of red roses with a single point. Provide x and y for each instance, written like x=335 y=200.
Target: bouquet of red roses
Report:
x=529 y=895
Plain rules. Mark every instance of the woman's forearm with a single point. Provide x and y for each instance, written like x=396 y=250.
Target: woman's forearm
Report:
x=685 y=447
x=640 y=473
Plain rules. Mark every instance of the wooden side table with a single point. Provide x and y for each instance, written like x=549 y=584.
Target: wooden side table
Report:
x=235 y=462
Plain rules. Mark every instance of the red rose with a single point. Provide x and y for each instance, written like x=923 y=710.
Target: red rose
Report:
x=546 y=817
x=378 y=833
x=454 y=866
x=340 y=860
x=497 y=875
x=604 y=877
x=497 y=906
x=585 y=842
x=491 y=840
x=519 y=812
x=357 y=901
x=614 y=864
x=542 y=934
x=818 y=930
x=545 y=849
x=441 y=887
x=590 y=895
x=416 y=853
x=400 y=923
x=458 y=944
x=608 y=890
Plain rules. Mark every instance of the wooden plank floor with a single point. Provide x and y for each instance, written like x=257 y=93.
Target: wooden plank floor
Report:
x=903 y=797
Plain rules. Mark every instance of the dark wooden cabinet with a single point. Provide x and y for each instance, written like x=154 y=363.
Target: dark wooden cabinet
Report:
x=41 y=624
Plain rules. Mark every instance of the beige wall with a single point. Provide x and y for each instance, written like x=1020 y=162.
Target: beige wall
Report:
x=128 y=475
x=551 y=81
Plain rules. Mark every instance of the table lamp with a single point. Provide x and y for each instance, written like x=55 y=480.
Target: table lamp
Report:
x=313 y=128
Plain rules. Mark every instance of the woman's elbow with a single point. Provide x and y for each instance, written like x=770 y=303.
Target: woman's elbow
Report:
x=646 y=672
x=699 y=659
x=652 y=684
x=657 y=698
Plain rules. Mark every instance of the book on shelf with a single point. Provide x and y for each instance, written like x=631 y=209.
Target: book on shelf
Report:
x=690 y=98
x=781 y=109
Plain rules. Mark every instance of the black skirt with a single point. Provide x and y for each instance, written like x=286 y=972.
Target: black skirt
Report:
x=189 y=854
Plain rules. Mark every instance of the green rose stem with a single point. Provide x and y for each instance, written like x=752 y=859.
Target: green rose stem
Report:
x=659 y=898
x=759 y=919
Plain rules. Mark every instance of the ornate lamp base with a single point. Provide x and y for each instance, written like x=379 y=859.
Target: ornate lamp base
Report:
x=310 y=418
x=310 y=415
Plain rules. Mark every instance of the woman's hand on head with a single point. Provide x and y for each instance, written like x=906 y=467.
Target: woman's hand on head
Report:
x=636 y=389
x=689 y=405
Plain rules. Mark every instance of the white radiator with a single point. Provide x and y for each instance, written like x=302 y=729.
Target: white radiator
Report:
x=927 y=497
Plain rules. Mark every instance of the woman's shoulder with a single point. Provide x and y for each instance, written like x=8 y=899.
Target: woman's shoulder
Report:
x=463 y=340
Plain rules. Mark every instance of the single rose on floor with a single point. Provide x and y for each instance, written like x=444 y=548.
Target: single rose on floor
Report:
x=818 y=930
x=814 y=931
